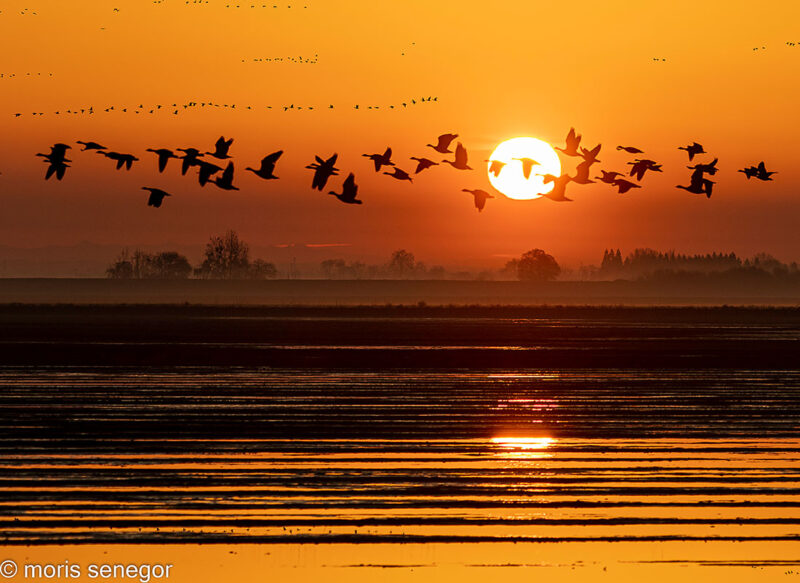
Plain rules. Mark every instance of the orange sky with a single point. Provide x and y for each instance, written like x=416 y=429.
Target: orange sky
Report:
x=498 y=71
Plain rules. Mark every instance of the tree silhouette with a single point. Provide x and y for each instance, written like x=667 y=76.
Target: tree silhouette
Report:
x=225 y=257
x=141 y=265
x=536 y=265
x=402 y=264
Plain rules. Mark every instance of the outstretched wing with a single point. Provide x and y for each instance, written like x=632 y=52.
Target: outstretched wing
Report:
x=227 y=175
x=461 y=154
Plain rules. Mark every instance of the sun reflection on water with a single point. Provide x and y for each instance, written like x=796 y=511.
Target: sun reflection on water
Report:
x=523 y=446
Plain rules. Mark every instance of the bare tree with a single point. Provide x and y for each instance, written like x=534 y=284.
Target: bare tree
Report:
x=225 y=257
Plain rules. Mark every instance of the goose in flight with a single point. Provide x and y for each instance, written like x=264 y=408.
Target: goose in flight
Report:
x=630 y=149
x=460 y=163
x=399 y=174
x=693 y=149
x=163 y=157
x=423 y=164
x=267 y=169
x=126 y=160
x=156 y=196
x=221 y=148
x=479 y=197
x=380 y=160
x=495 y=166
x=443 y=144
x=349 y=191
x=639 y=167
x=582 y=173
x=323 y=169
x=527 y=166
x=558 y=193
x=572 y=142
x=225 y=182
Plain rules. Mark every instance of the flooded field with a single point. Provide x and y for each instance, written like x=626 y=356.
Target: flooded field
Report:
x=431 y=471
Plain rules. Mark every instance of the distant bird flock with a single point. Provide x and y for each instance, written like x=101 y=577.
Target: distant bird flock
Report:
x=178 y=108
x=324 y=168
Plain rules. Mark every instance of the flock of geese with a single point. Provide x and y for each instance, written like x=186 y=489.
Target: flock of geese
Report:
x=324 y=168
x=176 y=108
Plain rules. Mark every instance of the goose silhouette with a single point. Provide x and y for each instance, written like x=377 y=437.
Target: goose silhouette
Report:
x=460 y=163
x=423 y=164
x=349 y=191
x=443 y=144
x=572 y=142
x=267 y=169
x=479 y=197
x=156 y=196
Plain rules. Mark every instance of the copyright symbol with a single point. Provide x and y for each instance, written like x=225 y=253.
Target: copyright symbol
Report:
x=8 y=568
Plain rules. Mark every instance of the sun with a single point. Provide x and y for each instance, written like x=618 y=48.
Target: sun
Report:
x=517 y=167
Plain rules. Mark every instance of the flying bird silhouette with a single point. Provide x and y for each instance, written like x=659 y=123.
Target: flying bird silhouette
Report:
x=126 y=160
x=639 y=167
x=221 y=148
x=267 y=169
x=582 y=173
x=693 y=149
x=380 y=160
x=90 y=146
x=156 y=196
x=572 y=142
x=349 y=191
x=225 y=182
x=163 y=157
x=460 y=163
x=323 y=169
x=423 y=164
x=57 y=161
x=630 y=149
x=399 y=174
x=623 y=185
x=558 y=194
x=495 y=166
x=479 y=197
x=443 y=144
x=527 y=166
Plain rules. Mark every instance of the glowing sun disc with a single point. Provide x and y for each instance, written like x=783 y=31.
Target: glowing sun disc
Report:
x=510 y=179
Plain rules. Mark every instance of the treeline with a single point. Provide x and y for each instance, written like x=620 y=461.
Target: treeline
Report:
x=534 y=265
x=650 y=264
x=225 y=257
x=401 y=265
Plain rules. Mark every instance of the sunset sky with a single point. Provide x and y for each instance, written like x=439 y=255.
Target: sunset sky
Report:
x=498 y=70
